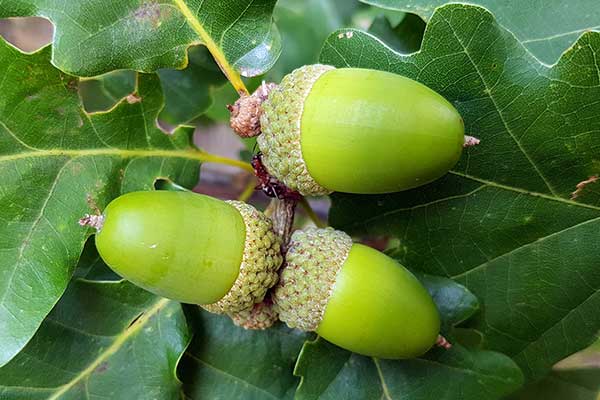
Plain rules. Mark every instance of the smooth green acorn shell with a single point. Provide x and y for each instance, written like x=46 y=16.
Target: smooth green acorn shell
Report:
x=386 y=309
x=355 y=297
x=191 y=248
x=357 y=131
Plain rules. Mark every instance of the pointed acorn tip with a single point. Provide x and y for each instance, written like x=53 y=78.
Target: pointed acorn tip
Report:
x=443 y=342
x=471 y=141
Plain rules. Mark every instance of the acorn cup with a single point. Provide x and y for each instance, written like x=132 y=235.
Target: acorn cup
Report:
x=189 y=247
x=354 y=130
x=354 y=296
x=259 y=317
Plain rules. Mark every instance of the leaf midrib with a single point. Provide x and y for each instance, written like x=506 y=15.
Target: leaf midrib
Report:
x=227 y=374
x=559 y=35
x=188 y=154
x=485 y=183
x=73 y=153
x=466 y=371
x=425 y=12
x=119 y=341
x=523 y=349
x=497 y=108
x=512 y=251
x=27 y=239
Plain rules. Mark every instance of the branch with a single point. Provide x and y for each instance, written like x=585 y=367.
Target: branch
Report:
x=283 y=211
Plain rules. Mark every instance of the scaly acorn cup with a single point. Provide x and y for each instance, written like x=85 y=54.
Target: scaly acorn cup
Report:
x=191 y=248
x=354 y=296
x=357 y=131
x=261 y=316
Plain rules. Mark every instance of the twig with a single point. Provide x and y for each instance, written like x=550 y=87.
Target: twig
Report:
x=283 y=219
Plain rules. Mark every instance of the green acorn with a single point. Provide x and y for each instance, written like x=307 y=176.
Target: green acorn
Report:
x=190 y=247
x=354 y=296
x=356 y=131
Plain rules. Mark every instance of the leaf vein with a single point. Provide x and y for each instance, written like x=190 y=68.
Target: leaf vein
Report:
x=500 y=114
x=36 y=221
x=112 y=349
x=543 y=238
x=235 y=378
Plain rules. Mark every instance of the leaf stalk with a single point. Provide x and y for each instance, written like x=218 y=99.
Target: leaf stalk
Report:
x=230 y=73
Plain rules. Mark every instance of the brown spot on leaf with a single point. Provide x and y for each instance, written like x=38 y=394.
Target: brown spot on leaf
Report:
x=72 y=84
x=92 y=203
x=133 y=98
x=149 y=11
x=76 y=168
x=581 y=186
x=102 y=367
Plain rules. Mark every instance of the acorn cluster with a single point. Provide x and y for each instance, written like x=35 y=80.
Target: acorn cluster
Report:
x=321 y=130
x=226 y=257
